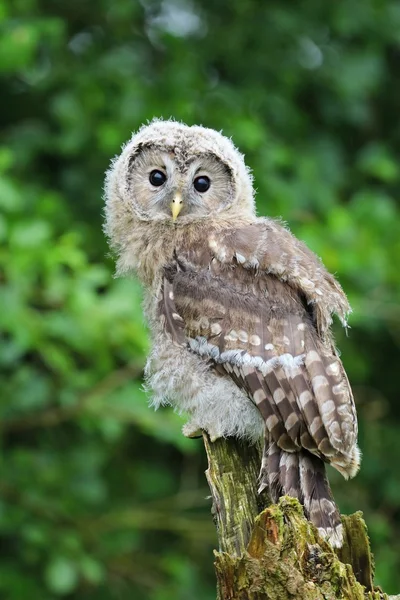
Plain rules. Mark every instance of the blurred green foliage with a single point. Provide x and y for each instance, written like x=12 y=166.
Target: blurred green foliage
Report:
x=100 y=497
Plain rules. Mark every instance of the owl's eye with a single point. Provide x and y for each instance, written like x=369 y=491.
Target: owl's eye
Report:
x=157 y=178
x=202 y=183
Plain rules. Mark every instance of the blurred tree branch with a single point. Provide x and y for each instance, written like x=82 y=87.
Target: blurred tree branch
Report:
x=269 y=552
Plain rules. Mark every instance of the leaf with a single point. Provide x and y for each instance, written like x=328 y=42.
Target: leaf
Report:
x=61 y=576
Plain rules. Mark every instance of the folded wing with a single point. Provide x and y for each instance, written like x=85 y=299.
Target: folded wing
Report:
x=266 y=326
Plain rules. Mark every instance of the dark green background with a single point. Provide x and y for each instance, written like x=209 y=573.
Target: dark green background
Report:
x=100 y=497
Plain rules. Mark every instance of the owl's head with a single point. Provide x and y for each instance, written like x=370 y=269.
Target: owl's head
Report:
x=177 y=174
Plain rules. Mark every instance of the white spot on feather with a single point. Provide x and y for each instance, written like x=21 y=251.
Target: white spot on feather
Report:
x=221 y=255
x=343 y=410
x=315 y=425
x=216 y=329
x=291 y=421
x=333 y=368
x=232 y=336
x=305 y=397
x=320 y=381
x=288 y=361
x=334 y=430
x=259 y=396
x=243 y=336
x=312 y=356
x=328 y=407
x=279 y=395
x=271 y=422
x=338 y=389
x=204 y=323
x=213 y=244
x=255 y=340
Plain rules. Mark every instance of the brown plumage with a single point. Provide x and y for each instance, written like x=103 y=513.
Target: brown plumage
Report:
x=242 y=309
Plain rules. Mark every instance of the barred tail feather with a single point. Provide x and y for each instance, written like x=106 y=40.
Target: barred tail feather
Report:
x=302 y=476
x=319 y=504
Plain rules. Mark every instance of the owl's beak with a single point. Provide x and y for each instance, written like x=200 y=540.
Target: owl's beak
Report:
x=176 y=206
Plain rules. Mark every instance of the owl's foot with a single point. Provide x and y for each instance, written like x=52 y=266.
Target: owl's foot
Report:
x=192 y=430
x=214 y=435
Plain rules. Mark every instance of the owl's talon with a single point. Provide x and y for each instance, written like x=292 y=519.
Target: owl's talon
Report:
x=192 y=430
x=214 y=436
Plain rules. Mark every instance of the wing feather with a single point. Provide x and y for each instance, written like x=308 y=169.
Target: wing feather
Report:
x=259 y=330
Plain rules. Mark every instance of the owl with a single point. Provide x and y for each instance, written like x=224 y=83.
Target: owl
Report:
x=239 y=311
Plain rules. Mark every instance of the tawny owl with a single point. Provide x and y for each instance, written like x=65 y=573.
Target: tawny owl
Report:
x=239 y=310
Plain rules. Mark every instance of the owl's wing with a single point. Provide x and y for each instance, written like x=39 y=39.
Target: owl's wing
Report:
x=266 y=245
x=257 y=321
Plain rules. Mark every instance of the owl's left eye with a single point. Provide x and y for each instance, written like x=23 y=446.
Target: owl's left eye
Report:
x=157 y=178
x=202 y=183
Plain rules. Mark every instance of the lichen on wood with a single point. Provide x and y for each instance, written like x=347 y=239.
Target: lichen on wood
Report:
x=271 y=551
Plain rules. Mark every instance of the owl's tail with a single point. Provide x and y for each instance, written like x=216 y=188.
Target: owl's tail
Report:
x=302 y=476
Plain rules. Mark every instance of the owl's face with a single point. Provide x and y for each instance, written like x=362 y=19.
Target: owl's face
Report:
x=168 y=184
x=174 y=173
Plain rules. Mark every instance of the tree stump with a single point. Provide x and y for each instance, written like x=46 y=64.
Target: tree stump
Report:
x=271 y=551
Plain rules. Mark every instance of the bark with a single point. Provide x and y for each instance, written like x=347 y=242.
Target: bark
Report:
x=271 y=551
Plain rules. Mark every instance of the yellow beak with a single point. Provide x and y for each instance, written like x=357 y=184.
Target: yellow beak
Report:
x=176 y=206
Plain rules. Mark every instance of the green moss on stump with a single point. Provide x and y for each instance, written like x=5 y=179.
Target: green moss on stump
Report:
x=271 y=551
x=285 y=559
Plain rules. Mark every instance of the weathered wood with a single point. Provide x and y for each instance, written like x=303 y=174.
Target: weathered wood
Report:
x=272 y=552
x=232 y=474
x=356 y=549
